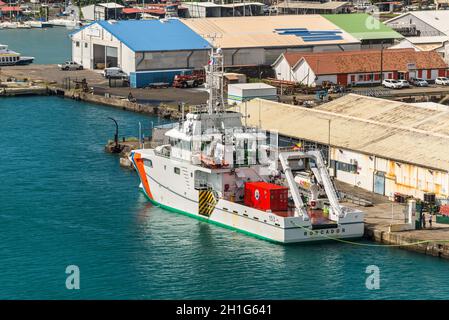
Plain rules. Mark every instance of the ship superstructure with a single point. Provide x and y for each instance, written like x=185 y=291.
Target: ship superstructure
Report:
x=219 y=170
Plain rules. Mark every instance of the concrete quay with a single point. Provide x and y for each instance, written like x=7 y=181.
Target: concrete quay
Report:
x=53 y=77
x=378 y=218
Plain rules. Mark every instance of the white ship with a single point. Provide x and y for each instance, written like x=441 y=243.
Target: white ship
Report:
x=218 y=170
x=11 y=58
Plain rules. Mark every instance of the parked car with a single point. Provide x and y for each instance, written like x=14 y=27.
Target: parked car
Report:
x=391 y=83
x=70 y=65
x=442 y=81
x=404 y=83
x=114 y=72
x=418 y=82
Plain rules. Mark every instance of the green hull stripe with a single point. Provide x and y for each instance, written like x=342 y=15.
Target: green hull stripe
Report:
x=210 y=221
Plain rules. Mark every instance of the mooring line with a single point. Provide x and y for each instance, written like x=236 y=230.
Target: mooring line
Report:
x=370 y=244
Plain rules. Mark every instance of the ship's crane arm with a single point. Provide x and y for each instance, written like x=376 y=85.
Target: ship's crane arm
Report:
x=326 y=181
x=299 y=204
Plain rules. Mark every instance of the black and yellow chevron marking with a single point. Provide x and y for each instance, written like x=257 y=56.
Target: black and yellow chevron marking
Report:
x=206 y=202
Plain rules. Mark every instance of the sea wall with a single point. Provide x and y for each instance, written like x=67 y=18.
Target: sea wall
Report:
x=411 y=243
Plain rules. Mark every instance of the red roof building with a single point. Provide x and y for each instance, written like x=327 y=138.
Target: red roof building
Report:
x=359 y=67
x=15 y=9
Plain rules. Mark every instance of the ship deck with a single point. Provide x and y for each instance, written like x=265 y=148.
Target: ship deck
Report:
x=317 y=216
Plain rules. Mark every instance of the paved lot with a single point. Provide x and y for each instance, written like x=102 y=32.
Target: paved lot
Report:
x=100 y=85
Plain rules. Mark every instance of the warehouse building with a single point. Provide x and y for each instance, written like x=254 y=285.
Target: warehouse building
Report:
x=211 y=9
x=376 y=144
x=438 y=44
x=421 y=23
x=359 y=67
x=312 y=7
x=253 y=41
x=148 y=50
x=102 y=11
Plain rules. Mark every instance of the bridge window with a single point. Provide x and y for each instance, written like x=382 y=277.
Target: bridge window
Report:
x=148 y=163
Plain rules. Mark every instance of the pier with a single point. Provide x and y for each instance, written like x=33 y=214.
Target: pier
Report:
x=384 y=213
x=163 y=101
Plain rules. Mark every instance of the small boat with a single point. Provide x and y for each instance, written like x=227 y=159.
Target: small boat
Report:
x=11 y=58
x=9 y=25
x=23 y=26
x=24 y=61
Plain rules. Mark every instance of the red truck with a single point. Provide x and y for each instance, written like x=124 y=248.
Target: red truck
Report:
x=188 y=81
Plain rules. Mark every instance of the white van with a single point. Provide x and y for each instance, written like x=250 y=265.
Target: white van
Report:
x=113 y=72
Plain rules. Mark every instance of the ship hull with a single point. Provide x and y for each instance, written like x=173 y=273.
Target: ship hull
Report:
x=162 y=189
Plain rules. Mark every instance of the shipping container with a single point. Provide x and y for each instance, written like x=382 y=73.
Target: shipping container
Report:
x=266 y=196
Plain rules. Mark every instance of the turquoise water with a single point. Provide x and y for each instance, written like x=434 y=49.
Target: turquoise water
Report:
x=64 y=201
x=48 y=46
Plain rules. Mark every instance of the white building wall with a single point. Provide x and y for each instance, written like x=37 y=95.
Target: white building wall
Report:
x=283 y=71
x=304 y=74
x=399 y=177
x=96 y=35
x=88 y=12
x=127 y=59
x=364 y=175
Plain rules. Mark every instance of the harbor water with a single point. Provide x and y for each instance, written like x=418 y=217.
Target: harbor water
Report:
x=47 y=45
x=64 y=201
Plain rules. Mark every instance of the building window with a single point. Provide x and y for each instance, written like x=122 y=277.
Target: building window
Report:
x=148 y=163
x=177 y=170
x=346 y=167
x=85 y=45
x=77 y=44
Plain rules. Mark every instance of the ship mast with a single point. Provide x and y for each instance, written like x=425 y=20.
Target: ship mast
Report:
x=215 y=71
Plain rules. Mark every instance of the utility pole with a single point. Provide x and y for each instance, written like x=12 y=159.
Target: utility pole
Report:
x=329 y=144
x=382 y=62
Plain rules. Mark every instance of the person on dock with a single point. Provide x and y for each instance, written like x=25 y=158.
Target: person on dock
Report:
x=430 y=221
x=131 y=97
x=423 y=220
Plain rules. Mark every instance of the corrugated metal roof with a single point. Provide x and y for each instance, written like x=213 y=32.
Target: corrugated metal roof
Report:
x=422 y=40
x=155 y=35
x=249 y=86
x=331 y=5
x=385 y=128
x=260 y=31
x=110 y=5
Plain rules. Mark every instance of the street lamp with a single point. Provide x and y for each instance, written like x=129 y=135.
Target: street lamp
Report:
x=116 y=148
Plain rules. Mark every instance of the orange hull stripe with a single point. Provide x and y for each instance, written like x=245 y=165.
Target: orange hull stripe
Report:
x=143 y=177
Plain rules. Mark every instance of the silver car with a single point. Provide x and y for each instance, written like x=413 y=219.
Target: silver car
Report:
x=70 y=65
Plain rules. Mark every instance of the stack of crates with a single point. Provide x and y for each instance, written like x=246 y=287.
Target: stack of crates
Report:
x=266 y=196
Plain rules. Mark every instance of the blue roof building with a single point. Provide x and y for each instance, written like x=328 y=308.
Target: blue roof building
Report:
x=160 y=48
x=155 y=35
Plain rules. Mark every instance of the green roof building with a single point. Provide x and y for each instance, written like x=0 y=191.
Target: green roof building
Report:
x=364 y=27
